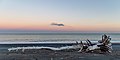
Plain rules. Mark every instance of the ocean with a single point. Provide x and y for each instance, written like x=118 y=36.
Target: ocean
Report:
x=51 y=37
x=38 y=37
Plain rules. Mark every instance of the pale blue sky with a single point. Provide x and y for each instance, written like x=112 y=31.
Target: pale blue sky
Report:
x=100 y=15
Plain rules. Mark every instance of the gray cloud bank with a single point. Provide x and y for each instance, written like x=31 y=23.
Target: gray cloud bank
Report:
x=56 y=24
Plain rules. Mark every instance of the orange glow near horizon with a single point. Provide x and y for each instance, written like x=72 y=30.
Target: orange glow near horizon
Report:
x=57 y=28
x=45 y=25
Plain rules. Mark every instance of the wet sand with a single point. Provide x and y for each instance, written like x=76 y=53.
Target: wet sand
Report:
x=57 y=55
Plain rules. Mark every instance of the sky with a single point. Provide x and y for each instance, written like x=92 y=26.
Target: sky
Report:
x=60 y=15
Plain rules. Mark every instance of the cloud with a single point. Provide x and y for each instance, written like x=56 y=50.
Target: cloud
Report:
x=56 y=24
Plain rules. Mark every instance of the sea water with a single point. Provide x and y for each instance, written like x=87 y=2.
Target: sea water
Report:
x=56 y=37
x=64 y=36
x=52 y=37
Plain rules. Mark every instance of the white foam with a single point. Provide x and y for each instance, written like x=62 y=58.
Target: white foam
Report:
x=36 y=42
x=58 y=42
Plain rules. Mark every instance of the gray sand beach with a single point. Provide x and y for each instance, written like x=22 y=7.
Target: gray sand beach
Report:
x=58 y=55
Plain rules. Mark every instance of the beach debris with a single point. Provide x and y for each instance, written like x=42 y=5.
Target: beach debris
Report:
x=47 y=48
x=102 y=46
